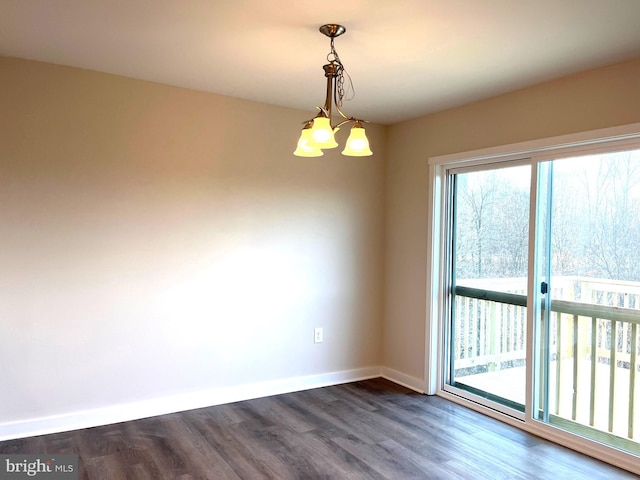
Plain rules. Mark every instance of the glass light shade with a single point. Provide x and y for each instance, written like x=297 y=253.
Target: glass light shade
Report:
x=306 y=145
x=322 y=133
x=357 y=143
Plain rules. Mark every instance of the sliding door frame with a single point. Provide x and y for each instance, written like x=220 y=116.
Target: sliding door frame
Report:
x=609 y=139
x=449 y=224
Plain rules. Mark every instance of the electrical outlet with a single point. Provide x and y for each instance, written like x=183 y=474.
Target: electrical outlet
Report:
x=317 y=335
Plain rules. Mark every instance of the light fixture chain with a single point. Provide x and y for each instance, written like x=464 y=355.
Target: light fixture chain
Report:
x=339 y=93
x=339 y=87
x=332 y=56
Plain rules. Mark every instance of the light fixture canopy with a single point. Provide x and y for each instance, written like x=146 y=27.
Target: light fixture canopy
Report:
x=318 y=133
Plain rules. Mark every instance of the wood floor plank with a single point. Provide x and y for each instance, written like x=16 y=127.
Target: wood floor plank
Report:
x=431 y=466
x=380 y=459
x=335 y=463
x=365 y=430
x=281 y=413
x=248 y=459
x=200 y=460
x=106 y=466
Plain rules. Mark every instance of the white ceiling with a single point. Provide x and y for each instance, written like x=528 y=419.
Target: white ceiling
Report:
x=406 y=57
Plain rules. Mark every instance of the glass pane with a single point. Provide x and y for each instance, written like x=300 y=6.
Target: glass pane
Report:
x=492 y=228
x=490 y=225
x=592 y=354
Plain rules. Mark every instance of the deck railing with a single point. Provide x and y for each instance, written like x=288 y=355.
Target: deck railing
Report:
x=592 y=337
x=593 y=348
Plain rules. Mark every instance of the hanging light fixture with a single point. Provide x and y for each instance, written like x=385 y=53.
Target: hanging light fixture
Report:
x=318 y=133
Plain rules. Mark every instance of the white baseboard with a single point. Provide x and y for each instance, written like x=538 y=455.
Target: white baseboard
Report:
x=178 y=403
x=405 y=380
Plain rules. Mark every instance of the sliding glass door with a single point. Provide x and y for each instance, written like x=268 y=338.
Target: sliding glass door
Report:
x=489 y=218
x=589 y=352
x=542 y=290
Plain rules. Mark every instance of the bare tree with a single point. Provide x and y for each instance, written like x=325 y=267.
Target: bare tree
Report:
x=476 y=198
x=492 y=225
x=614 y=217
x=595 y=220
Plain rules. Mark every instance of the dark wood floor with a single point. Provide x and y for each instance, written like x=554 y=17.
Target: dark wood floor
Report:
x=366 y=430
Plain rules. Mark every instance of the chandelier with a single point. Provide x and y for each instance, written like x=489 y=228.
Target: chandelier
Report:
x=318 y=133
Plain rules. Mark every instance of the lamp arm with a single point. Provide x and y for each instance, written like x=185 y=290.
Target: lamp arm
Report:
x=342 y=115
x=345 y=121
x=351 y=119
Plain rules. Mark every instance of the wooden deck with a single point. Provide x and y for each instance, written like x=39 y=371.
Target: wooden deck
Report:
x=510 y=384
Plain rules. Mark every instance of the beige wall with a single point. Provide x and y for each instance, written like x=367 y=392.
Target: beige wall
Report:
x=156 y=241
x=595 y=99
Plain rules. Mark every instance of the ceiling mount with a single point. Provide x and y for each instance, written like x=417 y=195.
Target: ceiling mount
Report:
x=332 y=30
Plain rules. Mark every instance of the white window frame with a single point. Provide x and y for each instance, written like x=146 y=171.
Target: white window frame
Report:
x=608 y=139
